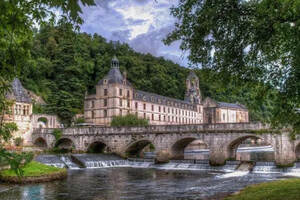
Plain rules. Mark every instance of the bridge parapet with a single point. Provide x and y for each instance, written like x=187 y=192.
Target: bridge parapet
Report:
x=199 y=128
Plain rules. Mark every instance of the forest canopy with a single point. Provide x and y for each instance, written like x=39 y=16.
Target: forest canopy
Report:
x=64 y=64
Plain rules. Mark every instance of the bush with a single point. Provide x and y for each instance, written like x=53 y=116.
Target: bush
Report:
x=18 y=141
x=79 y=120
x=128 y=120
x=57 y=134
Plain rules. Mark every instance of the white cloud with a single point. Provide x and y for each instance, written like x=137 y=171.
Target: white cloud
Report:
x=140 y=23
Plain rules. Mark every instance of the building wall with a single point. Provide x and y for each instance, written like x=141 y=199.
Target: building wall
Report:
x=101 y=108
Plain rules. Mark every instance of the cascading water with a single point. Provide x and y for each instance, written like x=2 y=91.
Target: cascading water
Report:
x=68 y=162
x=51 y=160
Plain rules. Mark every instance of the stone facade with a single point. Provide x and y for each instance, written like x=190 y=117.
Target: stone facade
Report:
x=221 y=112
x=221 y=139
x=115 y=96
x=21 y=113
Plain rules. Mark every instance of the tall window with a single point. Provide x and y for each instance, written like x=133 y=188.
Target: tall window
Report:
x=128 y=94
x=93 y=114
x=144 y=115
x=120 y=102
x=152 y=107
x=120 y=92
x=223 y=116
x=136 y=105
x=144 y=106
x=128 y=103
x=159 y=117
x=105 y=92
x=92 y=104
x=159 y=108
x=152 y=116
x=105 y=113
x=164 y=117
x=164 y=109
x=120 y=112
x=105 y=102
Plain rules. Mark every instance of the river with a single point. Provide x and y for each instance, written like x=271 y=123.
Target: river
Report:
x=110 y=178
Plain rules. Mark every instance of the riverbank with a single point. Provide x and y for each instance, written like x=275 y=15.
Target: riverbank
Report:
x=277 y=190
x=34 y=172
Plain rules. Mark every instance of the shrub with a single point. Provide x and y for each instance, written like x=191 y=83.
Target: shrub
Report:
x=57 y=133
x=18 y=141
x=128 y=120
x=79 y=120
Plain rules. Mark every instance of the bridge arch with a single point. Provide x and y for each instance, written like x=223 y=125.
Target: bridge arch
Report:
x=98 y=147
x=135 y=149
x=234 y=144
x=66 y=144
x=40 y=142
x=177 y=149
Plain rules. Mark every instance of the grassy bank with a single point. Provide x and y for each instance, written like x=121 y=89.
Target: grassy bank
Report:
x=34 y=172
x=278 y=190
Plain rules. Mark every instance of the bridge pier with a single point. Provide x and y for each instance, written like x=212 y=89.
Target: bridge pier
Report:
x=284 y=150
x=217 y=156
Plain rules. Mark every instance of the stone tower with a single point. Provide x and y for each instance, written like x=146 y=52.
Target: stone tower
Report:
x=192 y=93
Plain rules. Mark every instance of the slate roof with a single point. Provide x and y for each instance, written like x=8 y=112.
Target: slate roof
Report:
x=231 y=105
x=18 y=92
x=114 y=76
x=192 y=75
x=158 y=99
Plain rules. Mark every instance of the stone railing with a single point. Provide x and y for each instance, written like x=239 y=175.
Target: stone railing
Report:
x=195 y=128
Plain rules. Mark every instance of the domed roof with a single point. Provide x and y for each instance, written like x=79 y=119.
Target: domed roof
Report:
x=114 y=75
x=192 y=75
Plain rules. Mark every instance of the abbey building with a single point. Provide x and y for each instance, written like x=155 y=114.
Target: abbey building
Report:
x=115 y=96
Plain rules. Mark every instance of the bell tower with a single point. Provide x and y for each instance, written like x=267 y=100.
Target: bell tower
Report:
x=192 y=93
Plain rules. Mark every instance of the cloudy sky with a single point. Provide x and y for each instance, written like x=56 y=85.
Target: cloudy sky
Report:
x=140 y=23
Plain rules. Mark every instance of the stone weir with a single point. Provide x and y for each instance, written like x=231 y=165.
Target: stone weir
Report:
x=222 y=140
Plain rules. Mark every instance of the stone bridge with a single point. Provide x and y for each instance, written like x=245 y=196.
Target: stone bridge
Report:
x=221 y=139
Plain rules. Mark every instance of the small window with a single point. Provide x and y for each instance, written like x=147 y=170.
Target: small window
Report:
x=105 y=92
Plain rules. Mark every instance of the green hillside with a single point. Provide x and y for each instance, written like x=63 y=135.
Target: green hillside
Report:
x=64 y=64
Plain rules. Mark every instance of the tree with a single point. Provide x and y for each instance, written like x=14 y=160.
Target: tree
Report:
x=17 y=20
x=252 y=41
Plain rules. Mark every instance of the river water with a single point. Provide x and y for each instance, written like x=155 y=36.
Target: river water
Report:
x=110 y=178
x=136 y=183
